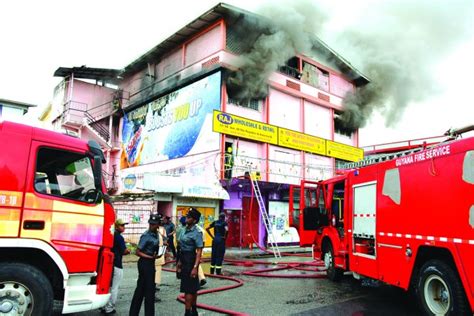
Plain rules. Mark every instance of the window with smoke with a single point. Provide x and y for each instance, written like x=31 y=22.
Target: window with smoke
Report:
x=340 y=127
x=253 y=104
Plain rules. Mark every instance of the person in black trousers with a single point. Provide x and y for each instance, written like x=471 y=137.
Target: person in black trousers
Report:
x=218 y=243
x=191 y=244
x=147 y=251
x=170 y=233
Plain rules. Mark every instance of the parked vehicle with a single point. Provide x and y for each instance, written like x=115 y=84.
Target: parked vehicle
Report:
x=55 y=223
x=408 y=222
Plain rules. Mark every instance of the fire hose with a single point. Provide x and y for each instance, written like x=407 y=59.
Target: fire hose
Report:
x=313 y=266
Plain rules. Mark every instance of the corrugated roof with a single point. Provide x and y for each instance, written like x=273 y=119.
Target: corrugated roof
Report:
x=83 y=72
x=225 y=11
x=17 y=103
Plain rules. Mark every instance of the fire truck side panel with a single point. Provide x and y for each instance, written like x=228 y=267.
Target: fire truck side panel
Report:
x=361 y=260
x=423 y=200
x=13 y=165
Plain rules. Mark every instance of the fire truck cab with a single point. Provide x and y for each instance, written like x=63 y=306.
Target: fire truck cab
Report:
x=55 y=223
x=408 y=222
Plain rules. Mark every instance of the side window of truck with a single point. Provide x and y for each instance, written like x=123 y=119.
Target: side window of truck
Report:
x=64 y=174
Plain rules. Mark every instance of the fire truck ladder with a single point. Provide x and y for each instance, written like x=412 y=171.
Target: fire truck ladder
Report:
x=265 y=217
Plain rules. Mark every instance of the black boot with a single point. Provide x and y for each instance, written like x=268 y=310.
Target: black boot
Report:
x=188 y=312
x=219 y=271
x=212 y=270
x=194 y=311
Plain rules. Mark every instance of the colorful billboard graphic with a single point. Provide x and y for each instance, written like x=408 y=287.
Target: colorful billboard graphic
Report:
x=173 y=126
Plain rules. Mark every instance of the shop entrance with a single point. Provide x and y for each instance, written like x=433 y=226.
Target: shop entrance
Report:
x=207 y=217
x=250 y=222
x=233 y=218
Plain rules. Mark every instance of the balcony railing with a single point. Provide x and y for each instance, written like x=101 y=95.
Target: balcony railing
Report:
x=290 y=71
x=73 y=114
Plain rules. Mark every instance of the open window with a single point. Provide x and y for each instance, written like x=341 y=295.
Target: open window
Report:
x=290 y=68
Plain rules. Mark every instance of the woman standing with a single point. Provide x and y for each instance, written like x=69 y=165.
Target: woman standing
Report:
x=147 y=250
x=191 y=244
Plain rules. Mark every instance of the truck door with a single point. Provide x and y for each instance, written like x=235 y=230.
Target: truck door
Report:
x=306 y=209
x=61 y=205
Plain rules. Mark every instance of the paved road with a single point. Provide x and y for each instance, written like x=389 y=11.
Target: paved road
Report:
x=276 y=296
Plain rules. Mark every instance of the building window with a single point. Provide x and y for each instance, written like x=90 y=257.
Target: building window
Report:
x=253 y=104
x=290 y=68
x=340 y=127
x=315 y=76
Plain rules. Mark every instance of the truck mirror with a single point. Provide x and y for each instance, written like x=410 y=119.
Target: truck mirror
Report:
x=94 y=196
x=98 y=173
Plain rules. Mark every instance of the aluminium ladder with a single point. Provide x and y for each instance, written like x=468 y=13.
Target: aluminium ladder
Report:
x=265 y=217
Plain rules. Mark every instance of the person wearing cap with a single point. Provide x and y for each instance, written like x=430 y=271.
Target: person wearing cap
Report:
x=147 y=250
x=218 y=243
x=119 y=249
x=170 y=232
x=179 y=231
x=191 y=244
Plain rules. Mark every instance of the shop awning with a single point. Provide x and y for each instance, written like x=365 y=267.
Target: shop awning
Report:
x=206 y=191
x=186 y=186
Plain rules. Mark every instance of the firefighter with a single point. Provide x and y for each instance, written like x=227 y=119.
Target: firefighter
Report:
x=170 y=232
x=228 y=163
x=218 y=243
x=191 y=244
x=147 y=251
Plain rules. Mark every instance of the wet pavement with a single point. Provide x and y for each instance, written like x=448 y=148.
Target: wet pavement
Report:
x=275 y=296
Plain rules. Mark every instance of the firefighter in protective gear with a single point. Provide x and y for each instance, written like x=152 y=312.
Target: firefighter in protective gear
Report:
x=218 y=243
x=228 y=163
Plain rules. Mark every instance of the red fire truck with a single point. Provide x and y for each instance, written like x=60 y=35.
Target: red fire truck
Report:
x=408 y=222
x=55 y=223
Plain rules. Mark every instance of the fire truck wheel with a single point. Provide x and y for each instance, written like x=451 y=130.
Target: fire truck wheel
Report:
x=440 y=291
x=24 y=290
x=333 y=273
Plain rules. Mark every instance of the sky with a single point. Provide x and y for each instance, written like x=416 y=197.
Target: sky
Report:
x=37 y=37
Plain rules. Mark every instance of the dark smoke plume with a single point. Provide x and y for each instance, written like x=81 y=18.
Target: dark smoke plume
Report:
x=271 y=43
x=397 y=44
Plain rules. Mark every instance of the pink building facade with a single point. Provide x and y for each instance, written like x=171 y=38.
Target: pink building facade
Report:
x=179 y=137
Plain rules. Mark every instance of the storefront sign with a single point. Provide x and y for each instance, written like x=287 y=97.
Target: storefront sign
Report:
x=300 y=141
x=343 y=151
x=238 y=126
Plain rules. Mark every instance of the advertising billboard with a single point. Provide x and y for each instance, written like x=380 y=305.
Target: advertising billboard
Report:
x=174 y=126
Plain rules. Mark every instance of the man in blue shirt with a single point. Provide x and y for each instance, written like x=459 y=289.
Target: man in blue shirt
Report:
x=218 y=243
x=119 y=249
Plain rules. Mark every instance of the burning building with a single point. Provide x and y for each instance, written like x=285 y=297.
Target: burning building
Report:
x=231 y=95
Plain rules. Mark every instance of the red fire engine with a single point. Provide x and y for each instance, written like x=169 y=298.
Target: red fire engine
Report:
x=55 y=223
x=408 y=222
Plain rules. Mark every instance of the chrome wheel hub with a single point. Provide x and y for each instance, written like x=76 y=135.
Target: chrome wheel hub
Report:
x=437 y=295
x=15 y=299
